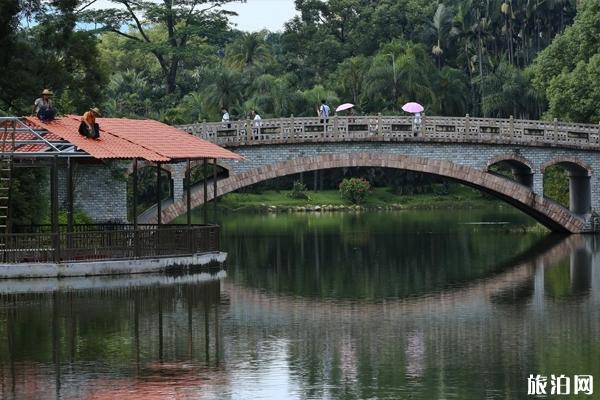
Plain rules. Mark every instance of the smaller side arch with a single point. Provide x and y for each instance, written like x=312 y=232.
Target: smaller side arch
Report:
x=520 y=168
x=571 y=164
x=511 y=158
x=580 y=188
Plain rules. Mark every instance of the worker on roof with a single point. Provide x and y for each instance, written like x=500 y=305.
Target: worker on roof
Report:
x=43 y=107
x=88 y=126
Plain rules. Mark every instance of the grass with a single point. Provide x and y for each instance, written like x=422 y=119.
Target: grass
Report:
x=378 y=197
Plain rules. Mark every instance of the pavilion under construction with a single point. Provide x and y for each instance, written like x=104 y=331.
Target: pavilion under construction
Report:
x=30 y=143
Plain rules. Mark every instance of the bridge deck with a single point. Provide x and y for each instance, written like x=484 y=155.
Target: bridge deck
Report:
x=400 y=128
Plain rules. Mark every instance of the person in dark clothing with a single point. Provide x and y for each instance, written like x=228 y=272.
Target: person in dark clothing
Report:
x=88 y=126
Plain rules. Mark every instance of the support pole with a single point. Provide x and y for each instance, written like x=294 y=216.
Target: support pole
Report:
x=158 y=198
x=70 y=201
x=135 y=197
x=188 y=182
x=215 y=186
x=204 y=205
x=54 y=208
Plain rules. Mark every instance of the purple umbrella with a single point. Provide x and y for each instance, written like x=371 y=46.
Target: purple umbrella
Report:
x=413 y=108
x=345 y=106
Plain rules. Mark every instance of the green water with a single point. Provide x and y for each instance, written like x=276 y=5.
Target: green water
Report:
x=438 y=304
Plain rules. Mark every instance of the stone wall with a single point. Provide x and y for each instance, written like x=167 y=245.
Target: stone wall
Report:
x=477 y=156
x=100 y=191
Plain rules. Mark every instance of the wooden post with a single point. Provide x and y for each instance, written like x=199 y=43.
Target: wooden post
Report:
x=70 y=201
x=54 y=209
x=188 y=182
x=136 y=244
x=158 y=198
x=215 y=186
x=205 y=186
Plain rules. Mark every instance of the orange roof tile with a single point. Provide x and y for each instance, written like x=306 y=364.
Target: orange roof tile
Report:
x=127 y=138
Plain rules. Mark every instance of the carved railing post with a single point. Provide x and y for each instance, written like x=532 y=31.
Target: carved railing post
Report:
x=379 y=124
x=467 y=127
x=511 y=128
x=555 y=130
x=282 y=129
x=292 y=127
x=249 y=132
x=335 y=126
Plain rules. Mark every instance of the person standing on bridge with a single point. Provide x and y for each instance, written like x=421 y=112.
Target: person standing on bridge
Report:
x=225 y=117
x=323 y=111
x=257 y=122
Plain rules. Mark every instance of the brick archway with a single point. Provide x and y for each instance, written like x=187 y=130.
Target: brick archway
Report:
x=543 y=210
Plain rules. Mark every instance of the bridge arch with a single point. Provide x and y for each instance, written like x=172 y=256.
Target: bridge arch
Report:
x=580 y=188
x=520 y=168
x=545 y=211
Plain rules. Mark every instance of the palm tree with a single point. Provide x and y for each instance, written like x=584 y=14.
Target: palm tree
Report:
x=225 y=91
x=350 y=75
x=465 y=33
x=248 y=50
x=441 y=24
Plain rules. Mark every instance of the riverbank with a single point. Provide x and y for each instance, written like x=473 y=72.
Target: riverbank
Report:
x=330 y=200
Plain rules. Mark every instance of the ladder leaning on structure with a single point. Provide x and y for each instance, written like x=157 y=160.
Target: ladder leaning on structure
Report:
x=7 y=148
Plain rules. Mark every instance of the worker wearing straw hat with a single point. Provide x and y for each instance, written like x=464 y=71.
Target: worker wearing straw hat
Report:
x=88 y=126
x=43 y=107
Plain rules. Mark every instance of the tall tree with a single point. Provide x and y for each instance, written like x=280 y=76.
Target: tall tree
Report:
x=186 y=24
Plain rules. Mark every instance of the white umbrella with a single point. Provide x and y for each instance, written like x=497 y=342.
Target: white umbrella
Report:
x=345 y=106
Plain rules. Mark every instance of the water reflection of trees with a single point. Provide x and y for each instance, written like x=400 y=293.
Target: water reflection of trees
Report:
x=477 y=342
x=127 y=335
x=367 y=255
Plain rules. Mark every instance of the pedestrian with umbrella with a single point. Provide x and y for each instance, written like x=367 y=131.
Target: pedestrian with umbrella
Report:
x=416 y=109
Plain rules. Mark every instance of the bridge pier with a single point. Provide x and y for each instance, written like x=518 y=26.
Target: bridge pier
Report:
x=538 y=183
x=580 y=194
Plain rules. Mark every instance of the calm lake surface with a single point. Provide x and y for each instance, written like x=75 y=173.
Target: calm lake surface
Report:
x=382 y=305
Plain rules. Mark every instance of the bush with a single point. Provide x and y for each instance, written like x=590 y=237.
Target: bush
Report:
x=355 y=190
x=298 y=191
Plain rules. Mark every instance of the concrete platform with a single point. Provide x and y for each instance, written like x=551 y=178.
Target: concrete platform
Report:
x=181 y=264
x=108 y=282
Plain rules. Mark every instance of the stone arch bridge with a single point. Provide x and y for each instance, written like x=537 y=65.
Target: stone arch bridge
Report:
x=461 y=149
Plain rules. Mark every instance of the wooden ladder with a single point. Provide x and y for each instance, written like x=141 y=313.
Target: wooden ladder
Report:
x=7 y=147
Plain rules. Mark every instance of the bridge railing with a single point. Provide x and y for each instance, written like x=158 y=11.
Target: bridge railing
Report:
x=399 y=128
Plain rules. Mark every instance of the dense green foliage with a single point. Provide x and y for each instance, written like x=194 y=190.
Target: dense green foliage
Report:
x=181 y=61
x=298 y=191
x=568 y=71
x=355 y=190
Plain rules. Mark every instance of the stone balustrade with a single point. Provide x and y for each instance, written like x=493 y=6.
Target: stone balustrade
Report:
x=400 y=128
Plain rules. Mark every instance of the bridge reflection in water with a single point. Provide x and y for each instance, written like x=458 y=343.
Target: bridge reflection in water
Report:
x=187 y=338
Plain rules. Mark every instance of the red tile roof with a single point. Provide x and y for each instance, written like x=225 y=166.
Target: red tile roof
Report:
x=127 y=138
